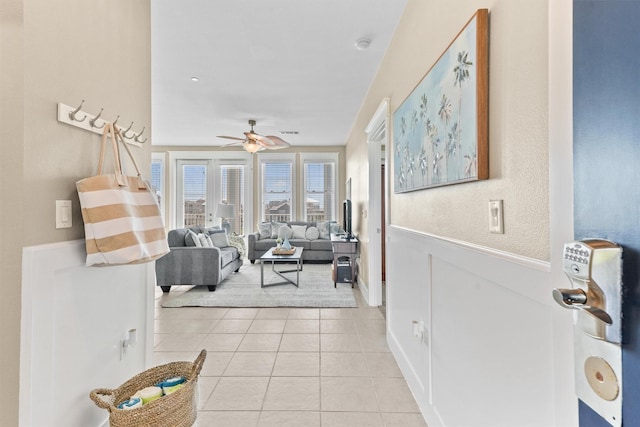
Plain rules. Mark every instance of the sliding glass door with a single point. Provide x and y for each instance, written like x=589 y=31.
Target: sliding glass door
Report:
x=195 y=206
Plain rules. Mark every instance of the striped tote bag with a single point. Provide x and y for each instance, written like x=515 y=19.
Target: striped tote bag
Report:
x=122 y=220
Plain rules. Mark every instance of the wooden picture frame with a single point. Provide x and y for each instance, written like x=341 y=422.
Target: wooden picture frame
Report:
x=441 y=130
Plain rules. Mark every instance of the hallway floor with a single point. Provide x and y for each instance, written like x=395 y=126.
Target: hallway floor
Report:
x=288 y=366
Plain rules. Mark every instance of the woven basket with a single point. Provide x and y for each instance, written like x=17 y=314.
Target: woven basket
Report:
x=178 y=409
x=283 y=251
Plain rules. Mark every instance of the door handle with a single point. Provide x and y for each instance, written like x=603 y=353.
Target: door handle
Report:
x=577 y=299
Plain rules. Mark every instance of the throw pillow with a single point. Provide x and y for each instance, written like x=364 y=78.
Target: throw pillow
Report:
x=336 y=228
x=191 y=239
x=285 y=232
x=205 y=241
x=324 y=229
x=264 y=228
x=299 y=231
x=275 y=226
x=312 y=233
x=220 y=240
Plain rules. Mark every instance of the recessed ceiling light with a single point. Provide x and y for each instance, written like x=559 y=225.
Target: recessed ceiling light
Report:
x=194 y=79
x=363 y=43
x=289 y=132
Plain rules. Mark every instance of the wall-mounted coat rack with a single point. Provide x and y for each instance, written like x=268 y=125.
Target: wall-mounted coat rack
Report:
x=83 y=120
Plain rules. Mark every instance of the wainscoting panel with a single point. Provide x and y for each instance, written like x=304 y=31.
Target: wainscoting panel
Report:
x=73 y=321
x=486 y=355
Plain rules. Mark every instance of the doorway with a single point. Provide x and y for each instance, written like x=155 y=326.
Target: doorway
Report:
x=377 y=138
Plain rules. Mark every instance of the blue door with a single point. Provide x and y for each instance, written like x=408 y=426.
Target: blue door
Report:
x=606 y=153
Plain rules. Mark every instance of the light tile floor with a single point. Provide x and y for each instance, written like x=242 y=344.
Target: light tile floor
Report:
x=288 y=367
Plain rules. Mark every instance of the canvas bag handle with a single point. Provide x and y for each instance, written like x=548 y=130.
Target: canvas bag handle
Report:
x=109 y=131
x=118 y=135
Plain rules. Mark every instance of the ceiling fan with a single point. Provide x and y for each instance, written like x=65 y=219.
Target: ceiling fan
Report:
x=252 y=142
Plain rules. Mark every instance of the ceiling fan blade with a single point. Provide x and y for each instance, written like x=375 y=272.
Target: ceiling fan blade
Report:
x=279 y=142
x=231 y=137
x=265 y=141
x=233 y=144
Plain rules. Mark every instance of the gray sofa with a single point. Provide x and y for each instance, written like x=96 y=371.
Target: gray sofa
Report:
x=315 y=249
x=190 y=265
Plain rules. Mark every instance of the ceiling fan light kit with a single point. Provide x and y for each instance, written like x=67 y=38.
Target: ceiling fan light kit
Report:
x=252 y=142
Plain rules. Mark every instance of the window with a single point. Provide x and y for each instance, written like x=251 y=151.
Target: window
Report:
x=277 y=194
x=319 y=191
x=320 y=195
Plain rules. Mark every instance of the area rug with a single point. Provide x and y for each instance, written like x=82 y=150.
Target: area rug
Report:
x=243 y=289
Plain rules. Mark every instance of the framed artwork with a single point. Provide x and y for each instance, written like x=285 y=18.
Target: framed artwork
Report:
x=441 y=131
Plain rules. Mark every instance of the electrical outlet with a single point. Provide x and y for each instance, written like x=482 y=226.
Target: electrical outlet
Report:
x=496 y=219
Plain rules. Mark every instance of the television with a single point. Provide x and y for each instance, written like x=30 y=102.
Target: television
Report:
x=346 y=218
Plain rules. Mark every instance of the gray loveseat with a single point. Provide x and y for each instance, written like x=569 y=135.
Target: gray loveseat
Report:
x=187 y=264
x=316 y=248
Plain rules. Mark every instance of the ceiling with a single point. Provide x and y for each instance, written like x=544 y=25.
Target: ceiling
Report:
x=292 y=65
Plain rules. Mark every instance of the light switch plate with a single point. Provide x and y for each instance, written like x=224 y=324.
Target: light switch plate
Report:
x=496 y=223
x=63 y=214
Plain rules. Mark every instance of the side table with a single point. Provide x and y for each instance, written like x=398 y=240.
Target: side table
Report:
x=345 y=252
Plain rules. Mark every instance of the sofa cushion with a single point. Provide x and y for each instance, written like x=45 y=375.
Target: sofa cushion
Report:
x=300 y=243
x=264 y=244
x=320 y=245
x=312 y=233
x=275 y=227
x=176 y=238
x=285 y=232
x=264 y=228
x=220 y=240
x=299 y=231
x=227 y=255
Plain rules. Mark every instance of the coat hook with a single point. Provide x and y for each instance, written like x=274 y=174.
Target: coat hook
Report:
x=124 y=134
x=137 y=137
x=92 y=122
x=72 y=114
x=115 y=121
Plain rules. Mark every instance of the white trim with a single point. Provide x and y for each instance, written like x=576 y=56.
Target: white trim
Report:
x=378 y=129
x=531 y=263
x=560 y=45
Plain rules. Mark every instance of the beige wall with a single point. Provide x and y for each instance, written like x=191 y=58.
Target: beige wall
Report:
x=518 y=128
x=62 y=51
x=256 y=208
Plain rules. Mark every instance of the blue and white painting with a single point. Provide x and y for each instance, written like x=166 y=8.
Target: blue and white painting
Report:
x=435 y=132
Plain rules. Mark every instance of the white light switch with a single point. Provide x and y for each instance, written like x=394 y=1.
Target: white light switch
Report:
x=63 y=214
x=496 y=224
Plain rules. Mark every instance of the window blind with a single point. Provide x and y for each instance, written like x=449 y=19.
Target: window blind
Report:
x=277 y=197
x=320 y=186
